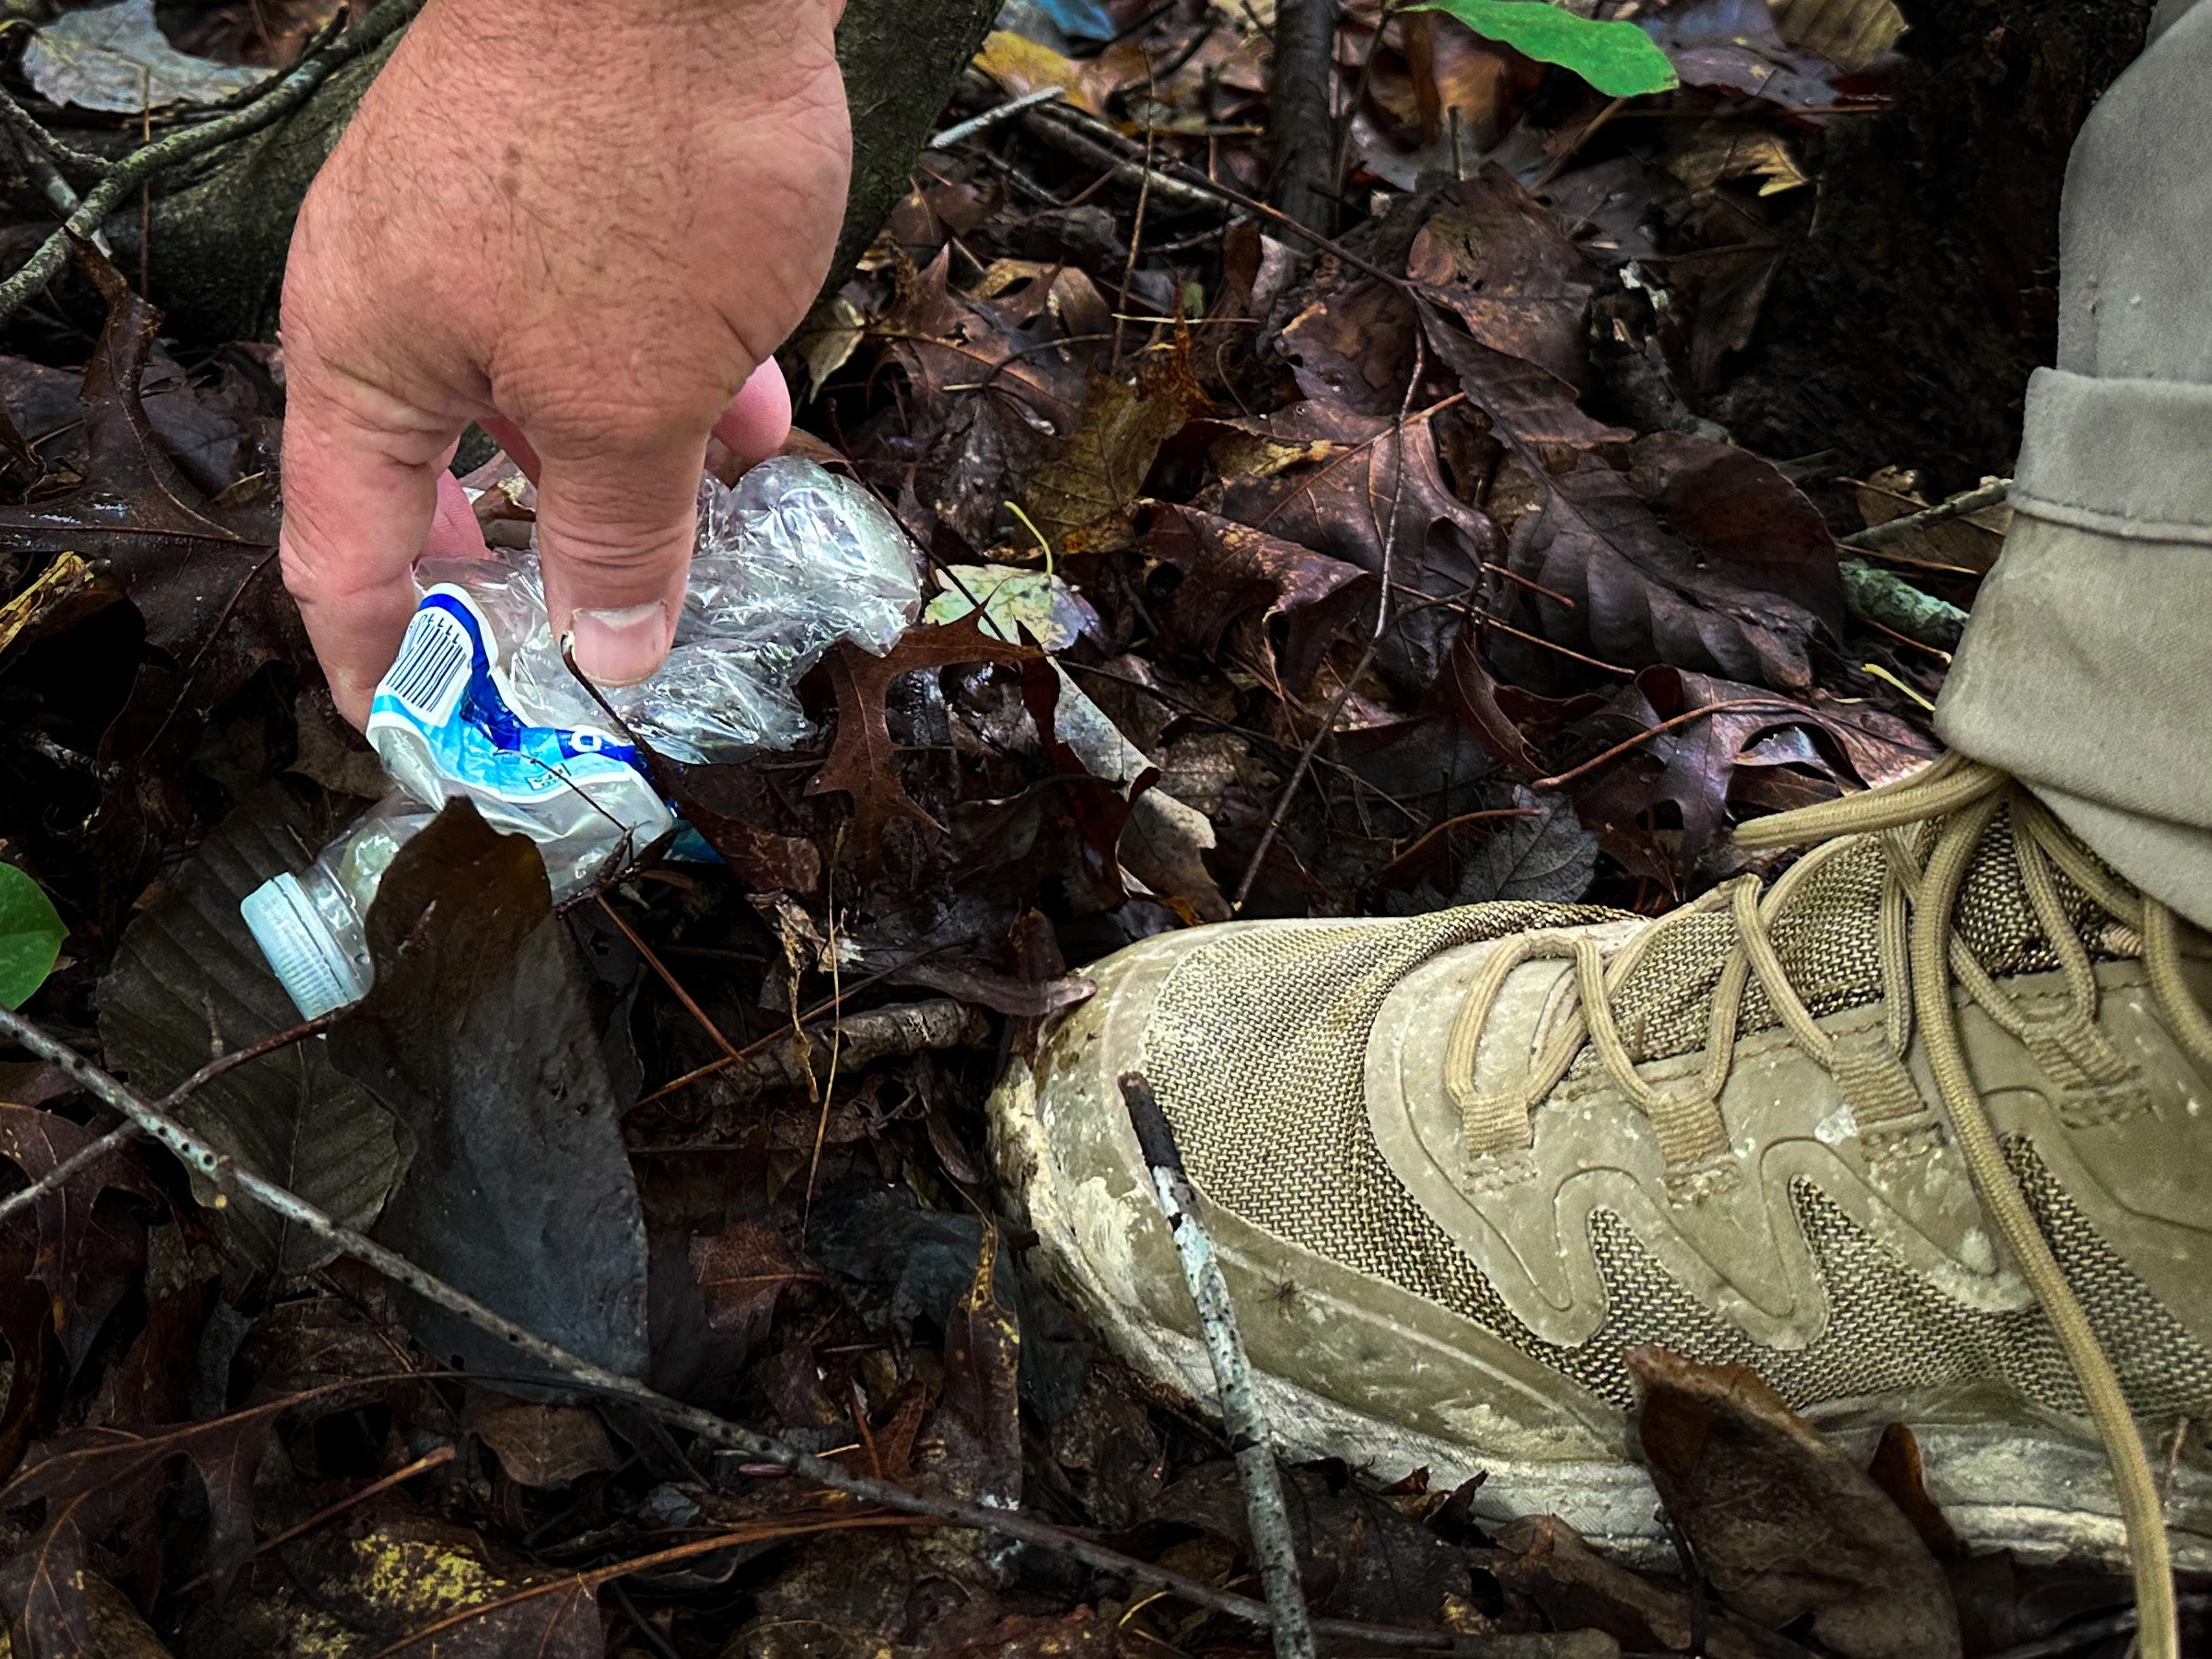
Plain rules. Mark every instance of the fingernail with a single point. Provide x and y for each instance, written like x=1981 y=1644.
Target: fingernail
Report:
x=620 y=647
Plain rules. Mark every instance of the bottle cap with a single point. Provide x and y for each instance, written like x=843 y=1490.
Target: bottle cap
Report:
x=303 y=952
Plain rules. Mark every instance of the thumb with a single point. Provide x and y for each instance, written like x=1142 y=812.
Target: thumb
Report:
x=616 y=521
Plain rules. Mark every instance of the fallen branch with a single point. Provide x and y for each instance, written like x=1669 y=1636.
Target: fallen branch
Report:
x=1252 y=1447
x=1300 y=124
x=1912 y=524
x=123 y=178
x=1887 y=599
x=70 y=1168
x=198 y=1155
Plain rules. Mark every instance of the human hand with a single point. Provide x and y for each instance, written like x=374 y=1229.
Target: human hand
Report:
x=586 y=224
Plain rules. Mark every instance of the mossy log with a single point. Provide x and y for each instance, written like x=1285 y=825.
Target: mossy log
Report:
x=221 y=227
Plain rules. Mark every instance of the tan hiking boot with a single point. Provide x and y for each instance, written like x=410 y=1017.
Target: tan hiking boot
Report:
x=1860 y=1132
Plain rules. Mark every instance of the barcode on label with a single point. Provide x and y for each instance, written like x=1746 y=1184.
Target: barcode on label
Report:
x=433 y=666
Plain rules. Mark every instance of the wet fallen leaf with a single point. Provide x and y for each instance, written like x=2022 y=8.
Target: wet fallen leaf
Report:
x=740 y=1273
x=1968 y=544
x=1734 y=45
x=1231 y=570
x=864 y=762
x=476 y=1032
x=1783 y=1524
x=1021 y=67
x=92 y=1480
x=1849 y=33
x=38 y=1143
x=1545 y=858
x=1360 y=488
x=918 y=1263
x=1082 y=499
x=1523 y=400
x=1722 y=150
x=115 y=57
x=983 y=1361
x=545 y=1447
x=1692 y=553
x=1501 y=263
x=1017 y=604
x=63 y=594
x=1358 y=1557
x=189 y=982
x=1544 y=1559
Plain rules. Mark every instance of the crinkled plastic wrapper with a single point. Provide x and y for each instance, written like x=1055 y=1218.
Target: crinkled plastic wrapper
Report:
x=789 y=561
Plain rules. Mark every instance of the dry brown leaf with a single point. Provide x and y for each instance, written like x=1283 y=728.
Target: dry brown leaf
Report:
x=1783 y=1524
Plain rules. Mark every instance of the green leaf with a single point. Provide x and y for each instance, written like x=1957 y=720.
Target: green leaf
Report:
x=31 y=937
x=1619 y=59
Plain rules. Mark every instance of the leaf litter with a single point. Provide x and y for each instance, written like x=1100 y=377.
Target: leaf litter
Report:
x=1411 y=572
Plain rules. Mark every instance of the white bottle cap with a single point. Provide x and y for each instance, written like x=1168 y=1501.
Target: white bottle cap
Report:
x=303 y=952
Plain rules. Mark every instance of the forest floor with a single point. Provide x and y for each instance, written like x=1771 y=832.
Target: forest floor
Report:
x=1428 y=562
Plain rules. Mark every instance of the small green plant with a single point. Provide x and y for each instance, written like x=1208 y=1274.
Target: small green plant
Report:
x=1619 y=59
x=31 y=937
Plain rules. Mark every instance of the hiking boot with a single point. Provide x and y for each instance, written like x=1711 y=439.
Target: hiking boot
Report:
x=1860 y=1131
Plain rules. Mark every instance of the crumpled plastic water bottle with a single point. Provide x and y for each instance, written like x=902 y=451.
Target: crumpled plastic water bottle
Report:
x=481 y=703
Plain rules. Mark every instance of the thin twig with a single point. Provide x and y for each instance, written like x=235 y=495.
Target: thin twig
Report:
x=198 y=1155
x=670 y=980
x=1249 y=1441
x=421 y=1465
x=1359 y=96
x=70 y=1168
x=991 y=118
x=1136 y=238
x=20 y=121
x=1553 y=168
x=52 y=185
x=1382 y=623
x=829 y=1087
x=1780 y=707
x=125 y=176
x=1957 y=507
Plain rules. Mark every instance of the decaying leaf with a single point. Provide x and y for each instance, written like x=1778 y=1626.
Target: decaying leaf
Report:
x=1700 y=766
x=864 y=762
x=1967 y=545
x=189 y=982
x=1362 y=490
x=1082 y=499
x=1692 y=553
x=1494 y=256
x=1849 y=33
x=476 y=1031
x=115 y=57
x=983 y=1365
x=1734 y=45
x=38 y=1143
x=92 y=1480
x=1230 y=570
x=1545 y=858
x=1785 y=1524
x=545 y=1447
x=740 y=1273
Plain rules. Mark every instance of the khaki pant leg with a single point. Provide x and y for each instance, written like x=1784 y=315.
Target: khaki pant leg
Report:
x=2086 y=670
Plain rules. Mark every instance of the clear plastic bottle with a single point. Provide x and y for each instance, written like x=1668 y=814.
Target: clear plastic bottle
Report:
x=480 y=702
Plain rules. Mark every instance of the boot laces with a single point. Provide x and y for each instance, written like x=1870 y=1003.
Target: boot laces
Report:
x=1930 y=827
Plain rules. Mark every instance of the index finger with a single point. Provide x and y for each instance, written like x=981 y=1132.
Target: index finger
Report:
x=359 y=498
